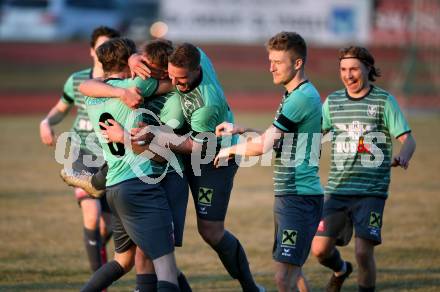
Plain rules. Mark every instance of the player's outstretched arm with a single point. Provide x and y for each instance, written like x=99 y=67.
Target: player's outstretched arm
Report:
x=227 y=129
x=406 y=152
x=55 y=116
x=98 y=89
x=253 y=147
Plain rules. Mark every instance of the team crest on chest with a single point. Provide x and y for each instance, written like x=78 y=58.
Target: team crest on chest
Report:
x=372 y=110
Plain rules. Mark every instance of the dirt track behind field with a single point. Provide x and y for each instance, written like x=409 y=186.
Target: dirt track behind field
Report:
x=225 y=57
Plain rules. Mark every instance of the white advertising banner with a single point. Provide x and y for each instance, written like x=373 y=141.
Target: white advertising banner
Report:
x=330 y=22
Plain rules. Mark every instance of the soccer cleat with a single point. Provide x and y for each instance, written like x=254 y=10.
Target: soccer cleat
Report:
x=261 y=288
x=81 y=180
x=335 y=283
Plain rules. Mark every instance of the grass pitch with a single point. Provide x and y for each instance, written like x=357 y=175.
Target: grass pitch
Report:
x=41 y=245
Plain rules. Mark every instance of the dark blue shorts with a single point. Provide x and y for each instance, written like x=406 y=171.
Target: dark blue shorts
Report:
x=176 y=188
x=212 y=189
x=342 y=213
x=296 y=220
x=141 y=216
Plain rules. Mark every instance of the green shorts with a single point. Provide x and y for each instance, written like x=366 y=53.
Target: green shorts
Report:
x=342 y=213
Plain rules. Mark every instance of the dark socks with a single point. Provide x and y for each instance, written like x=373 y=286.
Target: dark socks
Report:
x=104 y=277
x=93 y=244
x=334 y=261
x=100 y=178
x=146 y=283
x=366 y=289
x=233 y=257
x=183 y=283
x=164 y=286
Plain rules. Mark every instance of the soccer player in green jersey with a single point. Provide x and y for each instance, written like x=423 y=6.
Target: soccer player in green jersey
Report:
x=295 y=136
x=141 y=214
x=95 y=228
x=362 y=119
x=164 y=110
x=204 y=107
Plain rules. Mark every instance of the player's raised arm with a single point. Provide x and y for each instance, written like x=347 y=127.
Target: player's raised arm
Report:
x=138 y=66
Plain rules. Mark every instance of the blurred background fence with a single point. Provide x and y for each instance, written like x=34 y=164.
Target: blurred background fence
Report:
x=43 y=41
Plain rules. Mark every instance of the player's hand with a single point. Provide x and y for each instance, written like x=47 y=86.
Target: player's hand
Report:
x=46 y=133
x=137 y=64
x=227 y=129
x=113 y=132
x=223 y=155
x=132 y=97
x=401 y=161
x=143 y=135
x=138 y=148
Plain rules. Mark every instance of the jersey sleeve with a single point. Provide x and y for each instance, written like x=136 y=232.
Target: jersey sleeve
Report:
x=294 y=110
x=147 y=87
x=394 y=119
x=204 y=119
x=326 y=122
x=68 y=96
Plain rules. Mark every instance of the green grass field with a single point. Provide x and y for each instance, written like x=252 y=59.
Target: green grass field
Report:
x=41 y=245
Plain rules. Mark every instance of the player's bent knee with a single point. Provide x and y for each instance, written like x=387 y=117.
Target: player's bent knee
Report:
x=321 y=248
x=211 y=232
x=143 y=264
x=363 y=256
x=126 y=259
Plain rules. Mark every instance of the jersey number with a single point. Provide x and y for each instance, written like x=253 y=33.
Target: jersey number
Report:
x=119 y=150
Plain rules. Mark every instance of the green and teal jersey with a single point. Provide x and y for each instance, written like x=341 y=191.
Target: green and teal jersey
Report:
x=205 y=106
x=361 y=141
x=166 y=109
x=81 y=125
x=123 y=163
x=297 y=153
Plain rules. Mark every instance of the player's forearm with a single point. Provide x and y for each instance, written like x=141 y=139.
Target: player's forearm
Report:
x=243 y=130
x=98 y=89
x=54 y=117
x=248 y=149
x=408 y=147
x=179 y=144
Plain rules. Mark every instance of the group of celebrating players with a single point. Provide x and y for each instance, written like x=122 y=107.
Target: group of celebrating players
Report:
x=154 y=123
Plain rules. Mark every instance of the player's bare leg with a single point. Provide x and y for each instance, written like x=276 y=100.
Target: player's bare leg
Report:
x=300 y=283
x=324 y=249
x=284 y=275
x=364 y=251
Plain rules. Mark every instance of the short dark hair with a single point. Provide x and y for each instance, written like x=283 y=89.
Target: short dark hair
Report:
x=186 y=56
x=103 y=31
x=363 y=55
x=158 y=51
x=291 y=42
x=114 y=54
